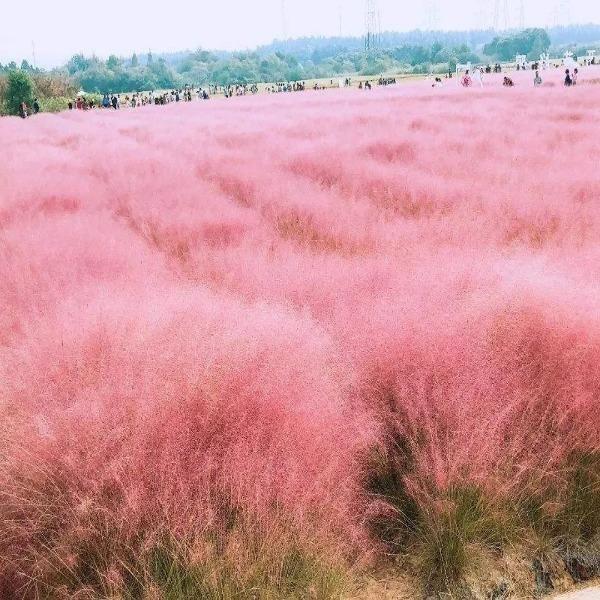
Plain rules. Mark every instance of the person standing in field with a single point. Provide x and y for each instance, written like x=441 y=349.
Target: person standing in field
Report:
x=568 y=80
x=575 y=76
x=478 y=76
x=537 y=80
x=36 y=106
x=466 y=80
x=23 y=110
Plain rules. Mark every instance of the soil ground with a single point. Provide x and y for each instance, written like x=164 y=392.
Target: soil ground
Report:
x=592 y=593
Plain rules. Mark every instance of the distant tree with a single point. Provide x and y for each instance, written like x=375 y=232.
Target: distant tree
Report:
x=134 y=60
x=531 y=42
x=25 y=66
x=19 y=89
x=539 y=46
x=436 y=48
x=113 y=62
x=464 y=54
x=78 y=63
x=149 y=59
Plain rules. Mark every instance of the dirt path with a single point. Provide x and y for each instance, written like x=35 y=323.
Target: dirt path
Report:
x=587 y=594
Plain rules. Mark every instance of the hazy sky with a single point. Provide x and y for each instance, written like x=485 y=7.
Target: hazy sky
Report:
x=60 y=28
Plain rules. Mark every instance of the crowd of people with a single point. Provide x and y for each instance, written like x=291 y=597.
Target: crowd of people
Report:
x=469 y=80
x=118 y=101
x=286 y=86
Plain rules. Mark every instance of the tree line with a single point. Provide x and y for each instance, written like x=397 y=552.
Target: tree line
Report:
x=294 y=60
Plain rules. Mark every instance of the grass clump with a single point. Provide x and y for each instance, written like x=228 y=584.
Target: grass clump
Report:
x=450 y=532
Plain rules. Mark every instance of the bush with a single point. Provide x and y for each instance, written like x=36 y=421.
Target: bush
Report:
x=52 y=105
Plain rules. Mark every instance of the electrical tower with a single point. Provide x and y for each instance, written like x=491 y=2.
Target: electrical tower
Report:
x=284 y=21
x=372 y=26
x=504 y=17
x=522 y=14
x=563 y=13
x=432 y=14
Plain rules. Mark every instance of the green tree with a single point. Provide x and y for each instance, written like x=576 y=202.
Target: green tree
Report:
x=78 y=63
x=436 y=48
x=531 y=42
x=19 y=88
x=149 y=59
x=113 y=62
x=134 y=60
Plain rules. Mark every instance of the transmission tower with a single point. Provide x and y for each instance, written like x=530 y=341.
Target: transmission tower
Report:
x=522 y=14
x=564 y=12
x=284 y=20
x=432 y=14
x=502 y=18
x=372 y=26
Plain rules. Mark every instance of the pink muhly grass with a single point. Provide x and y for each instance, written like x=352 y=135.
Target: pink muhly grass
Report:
x=212 y=312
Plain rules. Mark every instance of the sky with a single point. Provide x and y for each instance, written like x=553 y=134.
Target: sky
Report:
x=57 y=29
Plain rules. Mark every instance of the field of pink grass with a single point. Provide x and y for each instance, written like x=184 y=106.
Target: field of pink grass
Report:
x=214 y=315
